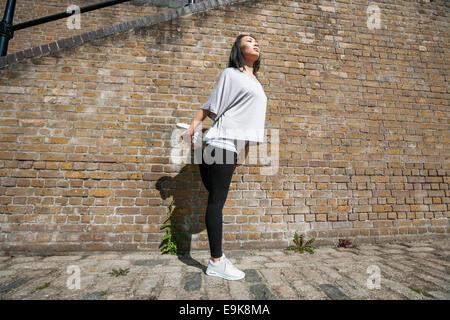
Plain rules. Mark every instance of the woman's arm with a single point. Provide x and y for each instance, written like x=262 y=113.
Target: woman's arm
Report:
x=241 y=161
x=199 y=117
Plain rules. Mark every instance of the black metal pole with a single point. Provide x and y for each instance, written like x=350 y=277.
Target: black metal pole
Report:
x=6 y=31
x=61 y=15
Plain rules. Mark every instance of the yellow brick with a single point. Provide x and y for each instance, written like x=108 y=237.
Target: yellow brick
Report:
x=99 y=193
x=58 y=140
x=253 y=236
x=229 y=236
x=75 y=175
x=127 y=228
x=382 y=208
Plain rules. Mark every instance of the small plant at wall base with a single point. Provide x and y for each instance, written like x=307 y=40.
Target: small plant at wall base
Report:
x=301 y=245
x=45 y=285
x=345 y=243
x=120 y=272
x=169 y=242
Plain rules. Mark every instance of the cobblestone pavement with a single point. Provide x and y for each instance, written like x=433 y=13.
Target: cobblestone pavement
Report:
x=407 y=270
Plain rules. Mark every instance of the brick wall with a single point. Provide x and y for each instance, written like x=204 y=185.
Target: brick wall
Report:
x=362 y=115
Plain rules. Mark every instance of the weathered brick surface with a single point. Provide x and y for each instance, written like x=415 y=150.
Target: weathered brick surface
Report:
x=362 y=114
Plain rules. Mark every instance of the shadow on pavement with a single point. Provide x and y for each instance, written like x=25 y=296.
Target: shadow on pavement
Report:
x=189 y=198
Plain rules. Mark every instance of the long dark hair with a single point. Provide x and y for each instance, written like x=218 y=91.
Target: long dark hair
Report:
x=236 y=59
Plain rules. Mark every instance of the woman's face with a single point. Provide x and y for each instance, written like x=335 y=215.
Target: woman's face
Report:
x=249 y=48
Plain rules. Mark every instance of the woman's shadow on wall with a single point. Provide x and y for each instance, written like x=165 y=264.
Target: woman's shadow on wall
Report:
x=189 y=201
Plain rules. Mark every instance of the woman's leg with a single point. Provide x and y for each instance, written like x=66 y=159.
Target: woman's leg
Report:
x=204 y=173
x=219 y=176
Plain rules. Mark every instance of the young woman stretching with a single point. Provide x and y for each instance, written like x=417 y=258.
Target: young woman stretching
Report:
x=237 y=106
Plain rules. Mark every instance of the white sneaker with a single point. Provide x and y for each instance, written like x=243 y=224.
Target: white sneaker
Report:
x=225 y=269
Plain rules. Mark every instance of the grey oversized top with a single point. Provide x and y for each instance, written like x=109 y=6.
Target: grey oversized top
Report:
x=238 y=105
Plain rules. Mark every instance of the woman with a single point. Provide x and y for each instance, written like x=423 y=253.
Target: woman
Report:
x=238 y=101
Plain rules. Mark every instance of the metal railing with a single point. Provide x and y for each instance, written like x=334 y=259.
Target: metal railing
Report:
x=7 y=28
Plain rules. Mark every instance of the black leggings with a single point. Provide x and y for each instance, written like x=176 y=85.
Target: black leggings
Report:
x=216 y=178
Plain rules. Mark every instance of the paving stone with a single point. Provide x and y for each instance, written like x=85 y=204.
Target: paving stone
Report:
x=333 y=292
x=288 y=274
x=412 y=244
x=288 y=258
x=329 y=273
x=312 y=274
x=211 y=281
x=98 y=282
x=193 y=281
x=285 y=292
x=393 y=251
x=254 y=259
x=342 y=254
x=346 y=260
x=119 y=296
x=443 y=284
x=251 y=275
x=394 y=246
x=436 y=260
x=358 y=274
x=34 y=265
x=166 y=269
x=308 y=292
x=47 y=294
x=277 y=265
x=22 y=259
x=5 y=275
x=426 y=264
x=14 y=285
x=218 y=292
x=139 y=256
x=423 y=255
x=261 y=292
x=420 y=249
x=269 y=253
x=396 y=286
x=239 y=290
x=167 y=294
x=324 y=250
x=173 y=280
x=350 y=288
x=185 y=295
x=272 y=277
x=347 y=286
x=147 y=286
x=106 y=266
x=237 y=253
x=439 y=295
x=94 y=295
x=194 y=268
x=148 y=263
x=61 y=258
x=301 y=257
x=399 y=265
x=103 y=257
